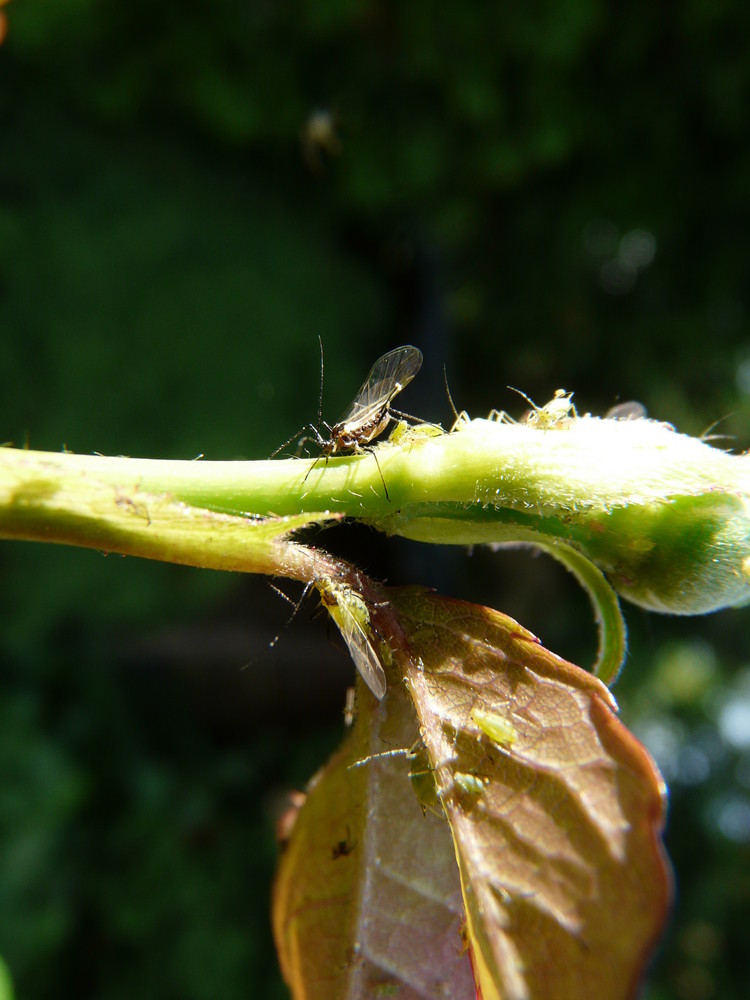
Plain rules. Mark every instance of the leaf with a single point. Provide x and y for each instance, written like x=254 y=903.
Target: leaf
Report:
x=555 y=808
x=367 y=900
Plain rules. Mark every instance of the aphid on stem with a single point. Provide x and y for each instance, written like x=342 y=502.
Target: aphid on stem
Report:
x=370 y=412
x=556 y=413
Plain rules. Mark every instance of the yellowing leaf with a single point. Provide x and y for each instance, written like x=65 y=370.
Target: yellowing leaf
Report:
x=555 y=808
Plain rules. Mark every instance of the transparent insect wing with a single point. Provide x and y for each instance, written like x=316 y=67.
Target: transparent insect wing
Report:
x=388 y=376
x=349 y=612
x=365 y=658
x=630 y=410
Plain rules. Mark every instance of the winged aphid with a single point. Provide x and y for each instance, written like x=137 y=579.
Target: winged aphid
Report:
x=370 y=411
x=349 y=611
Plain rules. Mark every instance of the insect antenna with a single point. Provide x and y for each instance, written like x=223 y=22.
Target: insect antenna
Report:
x=320 y=394
x=296 y=605
x=708 y=436
x=288 y=442
x=316 y=435
x=403 y=752
x=322 y=443
x=528 y=399
x=456 y=414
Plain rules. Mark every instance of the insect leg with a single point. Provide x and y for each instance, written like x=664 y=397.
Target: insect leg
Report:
x=385 y=488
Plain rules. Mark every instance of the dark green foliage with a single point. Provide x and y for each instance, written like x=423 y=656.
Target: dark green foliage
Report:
x=545 y=195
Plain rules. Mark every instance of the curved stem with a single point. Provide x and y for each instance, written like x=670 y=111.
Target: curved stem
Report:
x=612 y=630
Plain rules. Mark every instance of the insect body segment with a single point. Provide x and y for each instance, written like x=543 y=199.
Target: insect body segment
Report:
x=350 y=613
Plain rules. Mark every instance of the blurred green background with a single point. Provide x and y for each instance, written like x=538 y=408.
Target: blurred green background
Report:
x=542 y=195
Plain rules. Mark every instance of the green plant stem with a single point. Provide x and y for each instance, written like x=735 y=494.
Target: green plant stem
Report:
x=663 y=515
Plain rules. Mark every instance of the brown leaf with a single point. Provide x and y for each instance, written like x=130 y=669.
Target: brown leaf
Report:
x=555 y=808
x=367 y=900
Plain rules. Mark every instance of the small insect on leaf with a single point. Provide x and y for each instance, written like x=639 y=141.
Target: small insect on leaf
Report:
x=498 y=728
x=470 y=784
x=349 y=611
x=421 y=773
x=343 y=848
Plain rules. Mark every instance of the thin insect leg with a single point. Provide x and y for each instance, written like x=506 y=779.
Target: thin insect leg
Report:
x=282 y=595
x=410 y=416
x=313 y=466
x=318 y=438
x=296 y=605
x=301 y=438
x=372 y=452
x=315 y=435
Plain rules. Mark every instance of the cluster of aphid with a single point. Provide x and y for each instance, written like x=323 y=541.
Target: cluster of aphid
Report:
x=560 y=411
x=365 y=419
x=489 y=724
x=371 y=412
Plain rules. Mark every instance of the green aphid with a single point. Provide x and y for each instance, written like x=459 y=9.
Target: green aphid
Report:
x=350 y=613
x=421 y=773
x=497 y=727
x=471 y=784
x=557 y=413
